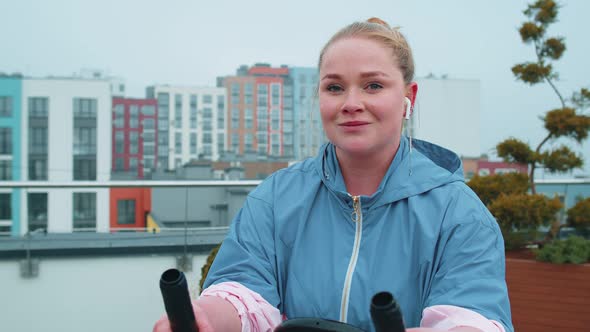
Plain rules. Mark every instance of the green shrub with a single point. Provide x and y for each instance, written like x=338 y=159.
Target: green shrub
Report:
x=574 y=250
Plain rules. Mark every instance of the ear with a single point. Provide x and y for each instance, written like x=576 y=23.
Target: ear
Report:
x=412 y=91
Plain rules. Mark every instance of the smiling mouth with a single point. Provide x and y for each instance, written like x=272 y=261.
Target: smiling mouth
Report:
x=353 y=123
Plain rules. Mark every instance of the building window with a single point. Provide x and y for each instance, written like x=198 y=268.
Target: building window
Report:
x=148 y=110
x=235 y=142
x=133 y=116
x=119 y=121
x=149 y=149
x=37 y=211
x=84 y=211
x=84 y=140
x=38 y=107
x=235 y=93
x=38 y=140
x=126 y=212
x=84 y=168
x=193 y=143
x=207 y=99
x=207 y=138
x=5 y=206
x=6 y=170
x=6 y=141
x=178 y=142
x=220 y=103
x=178 y=111
x=262 y=95
x=235 y=118
x=248 y=91
x=120 y=142
x=275 y=94
x=5 y=106
x=133 y=142
x=85 y=108
x=119 y=164
x=149 y=124
x=38 y=169
x=133 y=164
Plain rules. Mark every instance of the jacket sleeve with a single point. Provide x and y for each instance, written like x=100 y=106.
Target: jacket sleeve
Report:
x=469 y=266
x=247 y=255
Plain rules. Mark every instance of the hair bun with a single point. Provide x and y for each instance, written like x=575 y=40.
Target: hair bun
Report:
x=379 y=21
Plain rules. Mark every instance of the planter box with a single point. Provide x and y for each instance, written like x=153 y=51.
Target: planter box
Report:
x=548 y=297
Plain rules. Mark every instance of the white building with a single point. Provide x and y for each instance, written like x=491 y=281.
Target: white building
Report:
x=447 y=113
x=65 y=136
x=191 y=123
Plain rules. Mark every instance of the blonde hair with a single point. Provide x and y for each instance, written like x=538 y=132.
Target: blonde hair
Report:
x=379 y=31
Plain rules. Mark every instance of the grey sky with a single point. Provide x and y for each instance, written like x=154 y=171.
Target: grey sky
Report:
x=191 y=42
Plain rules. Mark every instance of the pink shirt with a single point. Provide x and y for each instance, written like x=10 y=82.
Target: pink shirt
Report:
x=256 y=314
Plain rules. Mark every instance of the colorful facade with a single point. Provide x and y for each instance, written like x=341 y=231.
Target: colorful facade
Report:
x=10 y=153
x=260 y=111
x=134 y=136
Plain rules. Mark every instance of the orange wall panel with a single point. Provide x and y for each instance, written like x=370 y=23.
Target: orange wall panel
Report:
x=143 y=205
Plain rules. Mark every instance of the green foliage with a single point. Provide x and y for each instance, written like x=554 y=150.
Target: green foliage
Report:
x=531 y=72
x=553 y=48
x=566 y=122
x=207 y=266
x=561 y=159
x=543 y=11
x=514 y=150
x=524 y=211
x=490 y=187
x=574 y=250
x=579 y=215
x=581 y=99
x=531 y=32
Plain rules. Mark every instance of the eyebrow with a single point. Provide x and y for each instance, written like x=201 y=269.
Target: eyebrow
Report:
x=363 y=75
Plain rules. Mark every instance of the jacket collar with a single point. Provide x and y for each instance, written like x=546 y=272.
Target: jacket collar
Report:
x=411 y=172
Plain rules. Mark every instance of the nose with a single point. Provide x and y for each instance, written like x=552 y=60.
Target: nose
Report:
x=352 y=102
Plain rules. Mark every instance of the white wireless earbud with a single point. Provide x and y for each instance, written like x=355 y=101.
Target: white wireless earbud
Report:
x=408 y=108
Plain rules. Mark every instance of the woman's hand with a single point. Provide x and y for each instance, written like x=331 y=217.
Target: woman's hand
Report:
x=203 y=324
x=212 y=314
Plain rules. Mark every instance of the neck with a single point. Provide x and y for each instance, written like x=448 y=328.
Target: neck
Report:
x=363 y=173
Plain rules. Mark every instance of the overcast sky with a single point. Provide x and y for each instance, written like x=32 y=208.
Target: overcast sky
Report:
x=191 y=42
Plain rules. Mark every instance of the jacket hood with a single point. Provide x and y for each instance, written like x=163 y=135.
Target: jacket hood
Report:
x=412 y=172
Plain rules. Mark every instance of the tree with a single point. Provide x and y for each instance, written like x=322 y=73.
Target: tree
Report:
x=520 y=215
x=565 y=121
x=489 y=187
x=578 y=216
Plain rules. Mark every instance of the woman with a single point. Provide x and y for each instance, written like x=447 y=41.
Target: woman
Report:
x=372 y=212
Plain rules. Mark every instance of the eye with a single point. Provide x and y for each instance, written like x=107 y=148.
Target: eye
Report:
x=374 y=86
x=333 y=88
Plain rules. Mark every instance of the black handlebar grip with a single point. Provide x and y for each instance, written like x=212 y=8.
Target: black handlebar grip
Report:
x=177 y=301
x=386 y=313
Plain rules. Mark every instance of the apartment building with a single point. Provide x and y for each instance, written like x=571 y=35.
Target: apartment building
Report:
x=309 y=132
x=65 y=136
x=191 y=124
x=134 y=137
x=260 y=111
x=10 y=153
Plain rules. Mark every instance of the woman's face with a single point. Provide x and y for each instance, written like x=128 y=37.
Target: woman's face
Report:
x=361 y=94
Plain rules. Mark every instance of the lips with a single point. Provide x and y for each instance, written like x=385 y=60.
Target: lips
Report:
x=353 y=123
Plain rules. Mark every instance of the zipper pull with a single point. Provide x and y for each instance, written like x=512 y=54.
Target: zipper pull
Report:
x=356 y=212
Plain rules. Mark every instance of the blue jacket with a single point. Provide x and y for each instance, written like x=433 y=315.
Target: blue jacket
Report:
x=423 y=235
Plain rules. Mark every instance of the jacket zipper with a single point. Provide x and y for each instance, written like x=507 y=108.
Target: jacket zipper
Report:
x=357 y=218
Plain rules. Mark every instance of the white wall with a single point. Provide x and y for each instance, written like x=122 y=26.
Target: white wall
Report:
x=91 y=294
x=61 y=93
x=447 y=113
x=186 y=130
